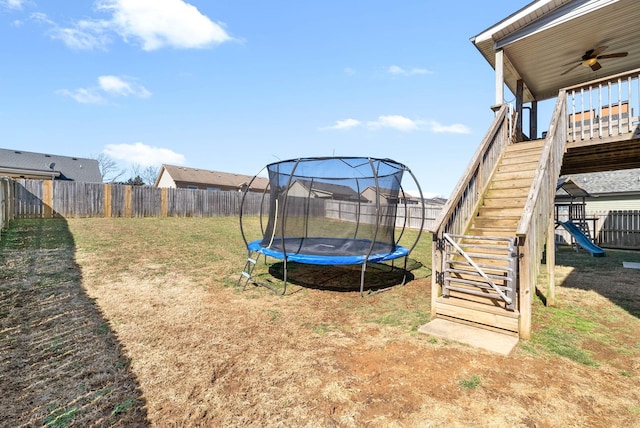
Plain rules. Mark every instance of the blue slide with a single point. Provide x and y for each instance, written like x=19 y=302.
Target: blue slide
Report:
x=582 y=239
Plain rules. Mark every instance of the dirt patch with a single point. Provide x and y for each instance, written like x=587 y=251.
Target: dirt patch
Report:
x=201 y=352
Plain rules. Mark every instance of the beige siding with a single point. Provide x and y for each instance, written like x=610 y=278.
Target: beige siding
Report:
x=166 y=180
x=603 y=204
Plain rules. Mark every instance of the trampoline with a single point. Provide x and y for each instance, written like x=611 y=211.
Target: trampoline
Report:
x=329 y=211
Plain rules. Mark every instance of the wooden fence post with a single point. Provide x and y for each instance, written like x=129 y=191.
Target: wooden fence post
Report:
x=127 y=201
x=107 y=200
x=164 y=202
x=47 y=199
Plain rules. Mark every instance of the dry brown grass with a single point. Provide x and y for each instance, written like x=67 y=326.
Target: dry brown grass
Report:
x=199 y=351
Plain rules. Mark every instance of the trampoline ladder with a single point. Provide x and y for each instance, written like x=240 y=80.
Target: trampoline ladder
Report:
x=252 y=260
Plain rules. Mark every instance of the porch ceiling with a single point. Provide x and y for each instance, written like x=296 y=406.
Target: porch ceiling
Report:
x=547 y=37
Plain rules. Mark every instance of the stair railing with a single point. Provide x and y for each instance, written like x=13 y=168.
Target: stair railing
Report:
x=465 y=198
x=455 y=216
x=534 y=226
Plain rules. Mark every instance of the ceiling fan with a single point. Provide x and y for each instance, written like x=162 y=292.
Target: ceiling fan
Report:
x=591 y=57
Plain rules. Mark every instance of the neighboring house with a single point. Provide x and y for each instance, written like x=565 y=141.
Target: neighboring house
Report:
x=388 y=196
x=324 y=190
x=43 y=166
x=195 y=178
x=608 y=191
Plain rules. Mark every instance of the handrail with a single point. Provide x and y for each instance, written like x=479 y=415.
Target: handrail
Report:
x=606 y=79
x=460 y=197
x=551 y=157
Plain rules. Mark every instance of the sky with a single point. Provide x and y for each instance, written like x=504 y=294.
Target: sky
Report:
x=235 y=85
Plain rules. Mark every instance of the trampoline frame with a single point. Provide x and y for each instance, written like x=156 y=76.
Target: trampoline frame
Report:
x=370 y=257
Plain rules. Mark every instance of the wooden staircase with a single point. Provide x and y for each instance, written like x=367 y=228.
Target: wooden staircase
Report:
x=489 y=244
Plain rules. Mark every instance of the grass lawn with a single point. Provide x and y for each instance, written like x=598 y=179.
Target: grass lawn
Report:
x=140 y=322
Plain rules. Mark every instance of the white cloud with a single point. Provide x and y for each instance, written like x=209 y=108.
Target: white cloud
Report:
x=160 y=23
x=399 y=71
x=85 y=35
x=12 y=4
x=153 y=24
x=107 y=86
x=117 y=86
x=344 y=124
x=456 y=128
x=142 y=154
x=400 y=123
x=83 y=96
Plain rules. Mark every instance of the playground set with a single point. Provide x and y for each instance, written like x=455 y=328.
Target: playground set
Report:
x=571 y=216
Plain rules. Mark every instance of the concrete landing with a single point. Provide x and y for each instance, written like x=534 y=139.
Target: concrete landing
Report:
x=474 y=336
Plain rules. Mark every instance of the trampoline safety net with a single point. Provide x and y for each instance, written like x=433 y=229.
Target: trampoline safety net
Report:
x=333 y=206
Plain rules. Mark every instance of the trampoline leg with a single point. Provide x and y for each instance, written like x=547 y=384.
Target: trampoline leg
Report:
x=364 y=267
x=404 y=271
x=284 y=287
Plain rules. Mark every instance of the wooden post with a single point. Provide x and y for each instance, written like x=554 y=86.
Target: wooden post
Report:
x=524 y=295
x=519 y=109
x=107 y=200
x=551 y=261
x=533 y=121
x=47 y=199
x=127 y=201
x=436 y=266
x=164 y=202
x=499 y=77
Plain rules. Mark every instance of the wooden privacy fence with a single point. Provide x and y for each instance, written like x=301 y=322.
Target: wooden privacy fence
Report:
x=409 y=216
x=608 y=229
x=6 y=202
x=619 y=229
x=46 y=199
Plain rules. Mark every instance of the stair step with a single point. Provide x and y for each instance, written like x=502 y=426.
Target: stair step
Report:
x=502 y=233
x=500 y=212
x=479 y=314
x=522 y=183
x=497 y=202
x=517 y=174
x=517 y=160
x=522 y=166
x=525 y=145
x=496 y=224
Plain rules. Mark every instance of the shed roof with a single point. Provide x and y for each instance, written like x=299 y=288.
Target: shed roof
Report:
x=214 y=178
x=568 y=186
x=13 y=162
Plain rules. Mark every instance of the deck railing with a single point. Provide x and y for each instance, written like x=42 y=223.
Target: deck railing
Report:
x=603 y=108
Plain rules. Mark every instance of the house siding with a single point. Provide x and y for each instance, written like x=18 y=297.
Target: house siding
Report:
x=612 y=203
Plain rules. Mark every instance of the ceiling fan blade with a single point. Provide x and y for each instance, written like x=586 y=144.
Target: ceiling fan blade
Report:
x=597 y=51
x=596 y=66
x=614 y=55
x=570 y=68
